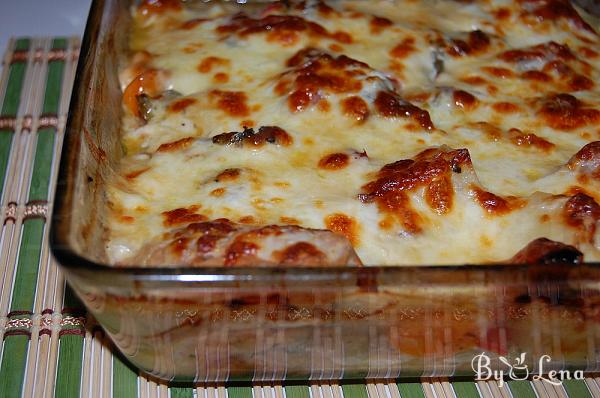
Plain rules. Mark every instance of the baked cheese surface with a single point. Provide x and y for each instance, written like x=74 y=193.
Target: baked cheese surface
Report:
x=424 y=132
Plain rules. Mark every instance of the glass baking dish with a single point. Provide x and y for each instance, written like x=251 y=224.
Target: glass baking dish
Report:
x=266 y=324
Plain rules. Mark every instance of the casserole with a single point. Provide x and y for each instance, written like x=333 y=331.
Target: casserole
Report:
x=216 y=324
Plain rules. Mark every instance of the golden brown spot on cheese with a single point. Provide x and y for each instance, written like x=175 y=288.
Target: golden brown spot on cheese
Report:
x=231 y=102
x=544 y=218
x=149 y=7
x=181 y=104
x=247 y=123
x=179 y=245
x=127 y=219
x=439 y=194
x=192 y=48
x=221 y=77
x=404 y=48
x=418 y=97
x=529 y=140
x=356 y=108
x=134 y=174
x=398 y=69
x=553 y=10
x=505 y=107
x=389 y=189
x=398 y=206
x=334 y=161
x=502 y=73
x=323 y=105
x=379 y=23
x=192 y=23
x=176 y=145
x=464 y=100
x=477 y=41
x=273 y=8
x=584 y=39
x=325 y=10
x=474 y=80
x=238 y=250
x=228 y=175
x=588 y=52
x=386 y=223
x=276 y=27
x=314 y=73
x=590 y=152
x=566 y=112
x=208 y=63
x=543 y=51
x=579 y=83
x=284 y=37
x=210 y=233
x=583 y=179
x=336 y=47
x=182 y=216
x=492 y=132
x=587 y=159
x=559 y=68
x=574 y=190
x=389 y=104
x=218 y=192
x=248 y=220
x=342 y=37
x=289 y=220
x=301 y=253
x=407 y=174
x=502 y=13
x=536 y=75
x=582 y=212
x=299 y=100
x=344 y=225
x=493 y=204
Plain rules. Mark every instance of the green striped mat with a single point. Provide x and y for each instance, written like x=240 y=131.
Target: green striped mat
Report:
x=50 y=346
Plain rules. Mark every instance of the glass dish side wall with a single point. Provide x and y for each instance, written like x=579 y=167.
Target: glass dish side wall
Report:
x=262 y=324
x=274 y=325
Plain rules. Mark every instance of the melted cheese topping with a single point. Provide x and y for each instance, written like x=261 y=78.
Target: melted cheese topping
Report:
x=426 y=132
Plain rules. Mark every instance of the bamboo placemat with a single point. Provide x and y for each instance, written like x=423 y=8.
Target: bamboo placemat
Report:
x=50 y=346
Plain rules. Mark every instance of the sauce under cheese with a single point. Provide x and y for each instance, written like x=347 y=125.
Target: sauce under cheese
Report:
x=424 y=132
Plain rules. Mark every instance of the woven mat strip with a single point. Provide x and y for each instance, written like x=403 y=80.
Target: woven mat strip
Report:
x=14 y=348
x=50 y=346
x=30 y=333
x=39 y=158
